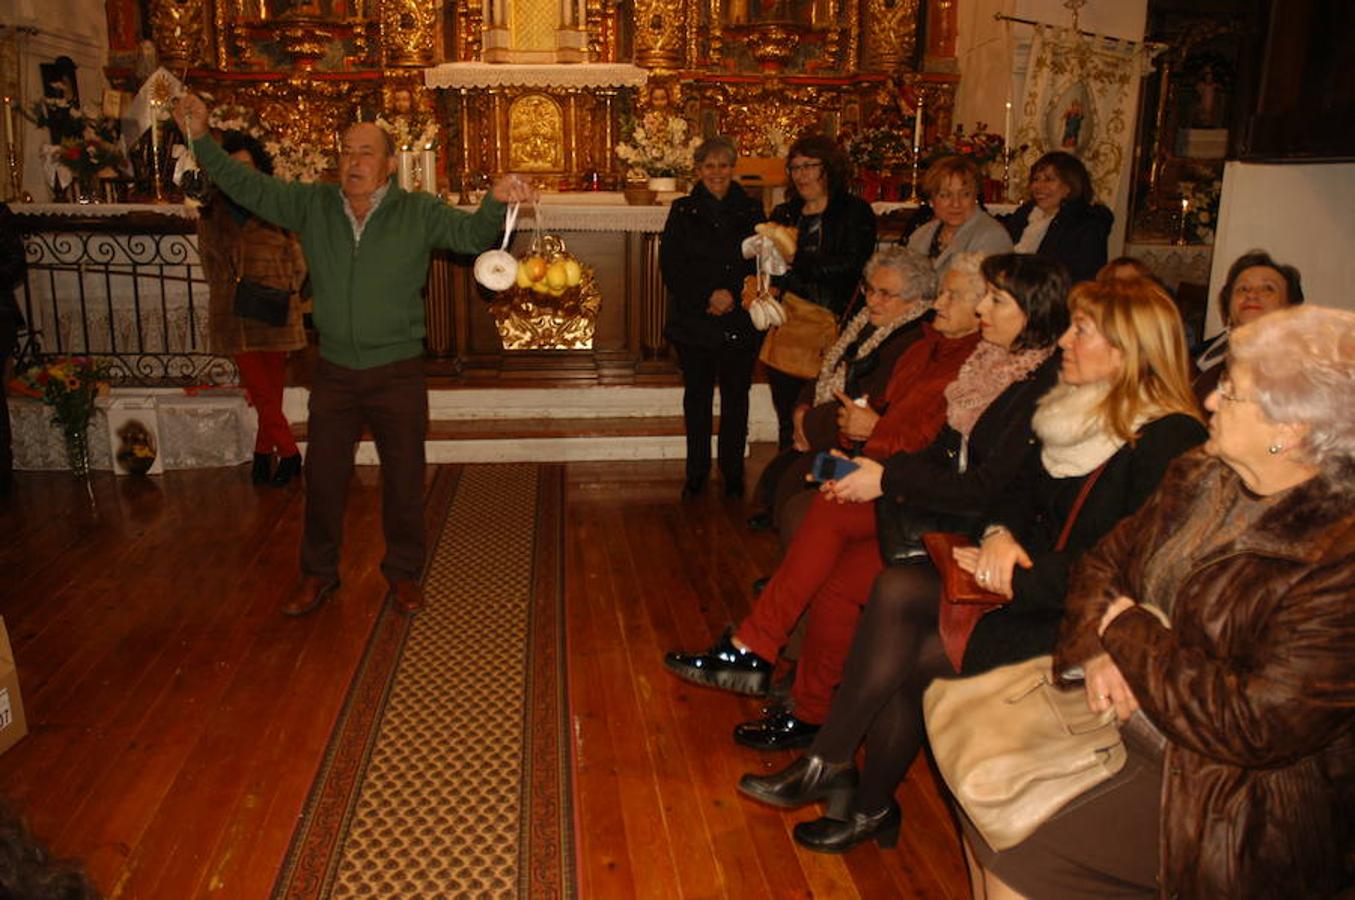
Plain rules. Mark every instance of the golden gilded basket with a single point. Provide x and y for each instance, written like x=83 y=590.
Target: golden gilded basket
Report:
x=545 y=310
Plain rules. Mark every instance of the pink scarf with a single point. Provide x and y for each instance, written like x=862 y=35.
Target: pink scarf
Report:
x=988 y=372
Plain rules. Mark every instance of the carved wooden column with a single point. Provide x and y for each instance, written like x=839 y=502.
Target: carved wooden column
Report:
x=659 y=29
x=939 y=53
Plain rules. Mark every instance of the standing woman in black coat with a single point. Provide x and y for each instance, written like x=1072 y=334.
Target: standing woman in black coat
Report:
x=836 y=237
x=703 y=268
x=1060 y=220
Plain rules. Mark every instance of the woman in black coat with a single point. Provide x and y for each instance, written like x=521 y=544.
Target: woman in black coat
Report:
x=702 y=262
x=1060 y=220
x=836 y=237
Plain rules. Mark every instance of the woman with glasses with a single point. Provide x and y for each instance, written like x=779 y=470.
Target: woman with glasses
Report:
x=957 y=225
x=1248 y=548
x=898 y=288
x=835 y=237
x=1256 y=286
x=836 y=555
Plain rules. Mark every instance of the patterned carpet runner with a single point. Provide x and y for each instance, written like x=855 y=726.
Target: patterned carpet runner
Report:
x=448 y=773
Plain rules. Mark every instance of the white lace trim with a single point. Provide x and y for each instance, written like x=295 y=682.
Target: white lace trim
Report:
x=542 y=75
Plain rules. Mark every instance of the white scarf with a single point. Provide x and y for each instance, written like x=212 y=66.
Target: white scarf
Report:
x=1074 y=437
x=833 y=371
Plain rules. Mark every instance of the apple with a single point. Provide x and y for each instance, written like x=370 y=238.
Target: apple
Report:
x=540 y=287
x=556 y=275
x=573 y=272
x=535 y=266
x=523 y=279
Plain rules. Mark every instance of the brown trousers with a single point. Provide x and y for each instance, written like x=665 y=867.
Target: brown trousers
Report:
x=392 y=401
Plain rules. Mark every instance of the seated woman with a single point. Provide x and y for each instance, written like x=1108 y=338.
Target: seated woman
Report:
x=1121 y=412
x=860 y=364
x=959 y=225
x=1060 y=219
x=1249 y=548
x=835 y=555
x=1256 y=285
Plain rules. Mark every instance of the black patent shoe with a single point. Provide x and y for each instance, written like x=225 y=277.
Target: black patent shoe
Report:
x=835 y=835
x=780 y=730
x=807 y=780
x=723 y=666
x=760 y=521
x=262 y=470
x=288 y=468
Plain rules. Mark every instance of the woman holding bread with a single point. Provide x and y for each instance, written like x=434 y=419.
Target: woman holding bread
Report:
x=834 y=236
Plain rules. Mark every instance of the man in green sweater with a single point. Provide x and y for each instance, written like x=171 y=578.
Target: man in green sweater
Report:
x=368 y=244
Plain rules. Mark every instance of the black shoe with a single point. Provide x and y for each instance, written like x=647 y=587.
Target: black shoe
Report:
x=723 y=666
x=760 y=584
x=734 y=487
x=692 y=487
x=262 y=472
x=831 y=835
x=288 y=468
x=807 y=780
x=760 y=521
x=778 y=731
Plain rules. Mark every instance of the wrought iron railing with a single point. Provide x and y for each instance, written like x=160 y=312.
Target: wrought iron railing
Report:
x=130 y=294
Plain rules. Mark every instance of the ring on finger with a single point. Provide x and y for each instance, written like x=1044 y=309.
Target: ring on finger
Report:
x=1103 y=696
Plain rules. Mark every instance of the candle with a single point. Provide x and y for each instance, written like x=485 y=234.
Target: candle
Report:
x=430 y=169
x=155 y=127
x=917 y=127
x=1007 y=126
x=405 y=171
x=9 y=124
x=1185 y=205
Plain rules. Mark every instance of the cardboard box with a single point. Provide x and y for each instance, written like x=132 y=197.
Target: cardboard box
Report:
x=12 y=723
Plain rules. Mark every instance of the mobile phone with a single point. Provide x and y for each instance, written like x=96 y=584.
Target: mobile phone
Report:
x=828 y=467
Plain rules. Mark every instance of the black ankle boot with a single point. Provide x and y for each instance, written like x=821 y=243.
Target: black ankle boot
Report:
x=807 y=780
x=723 y=666
x=288 y=468
x=832 y=835
x=262 y=471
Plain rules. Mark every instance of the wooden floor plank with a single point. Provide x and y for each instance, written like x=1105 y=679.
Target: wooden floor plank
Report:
x=177 y=720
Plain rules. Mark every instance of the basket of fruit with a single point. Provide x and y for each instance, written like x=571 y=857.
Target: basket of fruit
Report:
x=553 y=302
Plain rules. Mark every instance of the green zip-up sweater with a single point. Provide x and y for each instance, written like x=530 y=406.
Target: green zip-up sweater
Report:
x=368 y=304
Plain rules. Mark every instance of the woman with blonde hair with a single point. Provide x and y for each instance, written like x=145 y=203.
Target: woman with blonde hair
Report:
x=1121 y=412
x=1249 y=549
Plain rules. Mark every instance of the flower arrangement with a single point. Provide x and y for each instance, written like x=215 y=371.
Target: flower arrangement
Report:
x=409 y=135
x=658 y=147
x=69 y=385
x=87 y=143
x=878 y=147
x=981 y=146
x=233 y=117
x=1202 y=210
x=298 y=161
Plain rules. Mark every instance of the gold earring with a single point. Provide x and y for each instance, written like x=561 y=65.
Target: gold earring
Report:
x=1275 y=448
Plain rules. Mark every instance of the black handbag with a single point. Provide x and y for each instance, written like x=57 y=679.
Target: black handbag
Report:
x=899 y=528
x=262 y=303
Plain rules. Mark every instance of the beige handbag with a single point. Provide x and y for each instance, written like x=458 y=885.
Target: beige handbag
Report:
x=1015 y=747
x=797 y=346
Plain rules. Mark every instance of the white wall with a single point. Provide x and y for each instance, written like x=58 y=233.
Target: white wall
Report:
x=993 y=65
x=1301 y=214
x=74 y=28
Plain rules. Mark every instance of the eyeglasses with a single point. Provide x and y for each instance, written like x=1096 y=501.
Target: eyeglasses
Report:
x=870 y=290
x=1225 y=391
x=803 y=167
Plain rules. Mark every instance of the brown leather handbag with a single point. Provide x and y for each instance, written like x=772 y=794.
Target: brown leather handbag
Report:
x=797 y=347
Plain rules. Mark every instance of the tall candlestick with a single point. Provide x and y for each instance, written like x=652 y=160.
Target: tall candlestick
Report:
x=1181 y=232
x=917 y=128
x=1007 y=125
x=156 y=172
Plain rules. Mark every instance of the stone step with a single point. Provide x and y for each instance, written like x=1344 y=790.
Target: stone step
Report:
x=553 y=425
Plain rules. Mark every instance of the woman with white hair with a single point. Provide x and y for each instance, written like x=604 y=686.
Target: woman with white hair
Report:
x=1249 y=549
